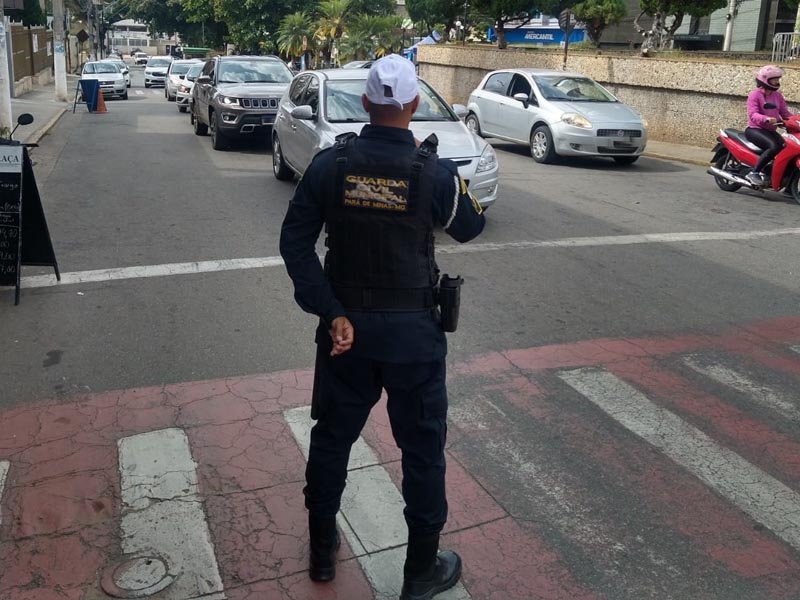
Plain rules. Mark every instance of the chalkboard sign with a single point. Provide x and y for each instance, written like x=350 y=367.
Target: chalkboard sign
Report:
x=24 y=237
x=10 y=214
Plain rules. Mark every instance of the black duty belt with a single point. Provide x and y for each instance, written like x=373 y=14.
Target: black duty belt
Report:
x=377 y=299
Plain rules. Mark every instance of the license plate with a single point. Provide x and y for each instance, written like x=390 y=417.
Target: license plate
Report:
x=267 y=119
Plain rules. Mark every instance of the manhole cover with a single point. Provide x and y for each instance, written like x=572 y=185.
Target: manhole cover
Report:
x=137 y=577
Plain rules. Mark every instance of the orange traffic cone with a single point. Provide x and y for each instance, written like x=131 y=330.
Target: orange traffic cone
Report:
x=101 y=104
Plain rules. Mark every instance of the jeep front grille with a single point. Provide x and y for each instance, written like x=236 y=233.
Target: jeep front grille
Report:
x=259 y=102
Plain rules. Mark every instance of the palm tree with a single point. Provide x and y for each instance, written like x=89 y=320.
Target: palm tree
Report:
x=293 y=28
x=331 y=23
x=357 y=43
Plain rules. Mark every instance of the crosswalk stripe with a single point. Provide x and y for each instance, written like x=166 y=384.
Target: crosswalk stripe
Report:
x=763 y=394
x=371 y=516
x=139 y=93
x=4 y=466
x=761 y=496
x=162 y=513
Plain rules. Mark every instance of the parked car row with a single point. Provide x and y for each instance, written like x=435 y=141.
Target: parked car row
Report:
x=554 y=113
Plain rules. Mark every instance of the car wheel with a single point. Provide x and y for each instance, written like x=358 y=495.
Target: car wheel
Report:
x=199 y=128
x=279 y=166
x=182 y=109
x=147 y=85
x=218 y=139
x=125 y=95
x=625 y=160
x=473 y=124
x=542 y=149
x=129 y=85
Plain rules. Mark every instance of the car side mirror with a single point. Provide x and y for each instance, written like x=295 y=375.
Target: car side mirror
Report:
x=304 y=112
x=524 y=98
x=203 y=79
x=460 y=110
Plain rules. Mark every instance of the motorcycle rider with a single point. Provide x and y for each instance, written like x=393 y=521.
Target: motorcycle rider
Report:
x=766 y=106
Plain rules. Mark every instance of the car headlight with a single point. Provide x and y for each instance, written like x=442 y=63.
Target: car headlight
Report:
x=488 y=160
x=576 y=120
x=644 y=123
x=183 y=89
x=227 y=100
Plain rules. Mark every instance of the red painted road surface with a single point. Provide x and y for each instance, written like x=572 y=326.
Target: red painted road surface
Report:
x=549 y=497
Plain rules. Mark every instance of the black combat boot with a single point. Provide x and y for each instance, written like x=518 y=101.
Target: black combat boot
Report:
x=428 y=572
x=324 y=543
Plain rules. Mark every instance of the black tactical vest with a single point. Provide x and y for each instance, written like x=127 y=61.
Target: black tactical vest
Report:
x=380 y=228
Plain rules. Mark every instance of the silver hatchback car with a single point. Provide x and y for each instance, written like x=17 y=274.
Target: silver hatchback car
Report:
x=319 y=105
x=557 y=113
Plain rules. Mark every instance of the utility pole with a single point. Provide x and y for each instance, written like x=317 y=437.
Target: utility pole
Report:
x=5 y=76
x=733 y=9
x=60 y=59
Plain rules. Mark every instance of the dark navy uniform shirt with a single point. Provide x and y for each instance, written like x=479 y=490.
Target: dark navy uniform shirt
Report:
x=396 y=336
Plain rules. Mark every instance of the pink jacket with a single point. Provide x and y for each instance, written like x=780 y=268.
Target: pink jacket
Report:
x=757 y=115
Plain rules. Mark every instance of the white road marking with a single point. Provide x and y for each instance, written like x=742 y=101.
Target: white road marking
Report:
x=758 y=494
x=371 y=516
x=38 y=281
x=139 y=93
x=162 y=512
x=765 y=395
x=4 y=466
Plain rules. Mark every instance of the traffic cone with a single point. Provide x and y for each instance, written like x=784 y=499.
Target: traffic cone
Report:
x=101 y=104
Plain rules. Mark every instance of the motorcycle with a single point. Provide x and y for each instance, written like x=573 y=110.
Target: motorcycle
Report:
x=734 y=157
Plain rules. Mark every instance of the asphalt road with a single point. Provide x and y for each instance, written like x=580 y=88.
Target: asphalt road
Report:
x=135 y=187
x=623 y=383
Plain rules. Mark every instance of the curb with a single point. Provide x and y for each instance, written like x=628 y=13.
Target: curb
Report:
x=683 y=159
x=40 y=133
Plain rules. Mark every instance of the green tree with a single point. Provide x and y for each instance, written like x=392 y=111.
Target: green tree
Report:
x=504 y=11
x=31 y=13
x=293 y=28
x=426 y=14
x=331 y=16
x=599 y=14
x=659 y=36
x=377 y=8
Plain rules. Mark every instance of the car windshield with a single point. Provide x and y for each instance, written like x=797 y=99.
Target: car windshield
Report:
x=93 y=68
x=180 y=69
x=571 y=89
x=254 y=71
x=343 y=103
x=158 y=62
x=194 y=71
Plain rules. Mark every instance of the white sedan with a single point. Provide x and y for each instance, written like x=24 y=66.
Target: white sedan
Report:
x=319 y=105
x=109 y=77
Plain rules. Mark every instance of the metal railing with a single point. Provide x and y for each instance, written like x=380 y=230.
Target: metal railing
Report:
x=786 y=47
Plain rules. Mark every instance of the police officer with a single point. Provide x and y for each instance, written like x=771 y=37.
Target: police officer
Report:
x=380 y=196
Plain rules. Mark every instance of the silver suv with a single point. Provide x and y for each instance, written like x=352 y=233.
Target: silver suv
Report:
x=237 y=95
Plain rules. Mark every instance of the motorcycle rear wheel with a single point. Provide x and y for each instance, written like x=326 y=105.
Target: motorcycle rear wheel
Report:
x=794 y=187
x=727 y=163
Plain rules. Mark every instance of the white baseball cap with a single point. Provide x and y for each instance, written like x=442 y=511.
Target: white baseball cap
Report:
x=392 y=80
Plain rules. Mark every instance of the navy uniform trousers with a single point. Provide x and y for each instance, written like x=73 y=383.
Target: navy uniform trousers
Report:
x=346 y=388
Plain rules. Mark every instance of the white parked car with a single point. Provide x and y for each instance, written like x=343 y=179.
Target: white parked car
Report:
x=108 y=74
x=175 y=74
x=122 y=67
x=140 y=58
x=320 y=105
x=155 y=71
x=183 y=96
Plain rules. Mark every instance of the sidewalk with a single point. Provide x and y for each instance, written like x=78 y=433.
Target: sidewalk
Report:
x=46 y=111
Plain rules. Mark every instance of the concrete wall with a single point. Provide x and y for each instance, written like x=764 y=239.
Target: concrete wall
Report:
x=684 y=100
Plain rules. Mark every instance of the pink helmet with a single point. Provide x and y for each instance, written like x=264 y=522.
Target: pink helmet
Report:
x=766 y=73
